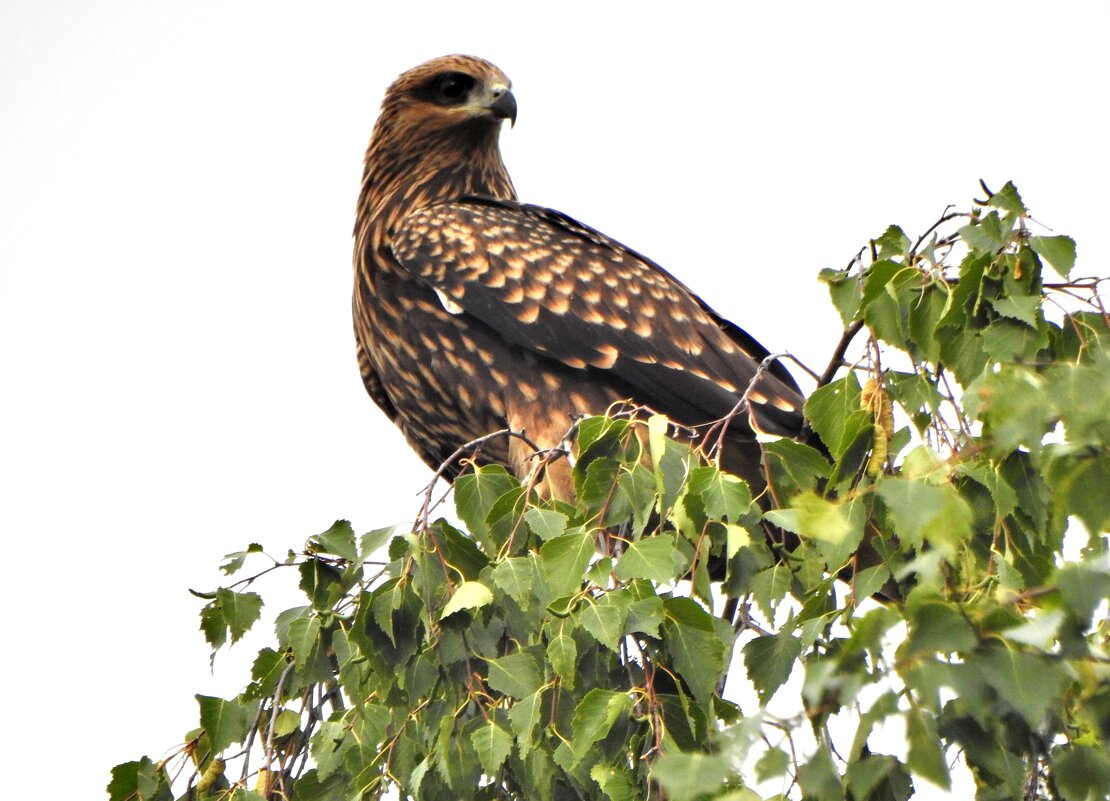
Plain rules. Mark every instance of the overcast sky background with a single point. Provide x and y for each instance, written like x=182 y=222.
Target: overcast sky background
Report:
x=177 y=183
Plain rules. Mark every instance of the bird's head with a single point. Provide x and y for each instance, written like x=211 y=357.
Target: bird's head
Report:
x=451 y=92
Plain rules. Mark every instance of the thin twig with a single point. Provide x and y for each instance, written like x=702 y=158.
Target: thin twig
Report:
x=268 y=747
x=837 y=360
x=743 y=403
x=422 y=518
x=945 y=216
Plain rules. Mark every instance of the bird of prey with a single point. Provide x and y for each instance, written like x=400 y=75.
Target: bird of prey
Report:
x=475 y=312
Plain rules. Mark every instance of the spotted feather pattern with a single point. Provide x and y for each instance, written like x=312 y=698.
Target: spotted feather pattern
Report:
x=547 y=283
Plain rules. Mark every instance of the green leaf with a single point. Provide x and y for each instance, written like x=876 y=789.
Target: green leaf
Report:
x=1082 y=772
x=564 y=560
x=1007 y=199
x=965 y=296
x=1025 y=308
x=267 y=669
x=794 y=467
x=596 y=492
x=866 y=775
x=939 y=626
x=736 y=537
x=723 y=496
x=545 y=523
x=1013 y=407
x=616 y=784
x=1009 y=341
x=893 y=243
x=493 y=745
x=238 y=611
x=691 y=639
x=829 y=409
x=987 y=236
x=562 y=653
x=461 y=551
x=925 y=512
x=225 y=722
x=468 y=595
x=386 y=599
x=320 y=582
x=1040 y=632
x=524 y=716
x=287 y=722
x=654 y=558
x=925 y=757
x=819 y=777
x=338 y=540
x=773 y=763
x=645 y=616
x=836 y=526
x=1058 y=251
x=1078 y=393
x=304 y=635
x=243 y=794
x=214 y=626
x=595 y=715
x=139 y=781
x=330 y=745
x=914 y=391
x=1030 y=683
x=515 y=577
x=870 y=580
x=517 y=675
x=298 y=630
x=844 y=291
x=1003 y=495
x=769 y=659
x=634 y=497
x=475 y=495
x=237 y=558
x=1072 y=478
x=925 y=306
x=456 y=760
x=604 y=618
x=878 y=277
x=868 y=631
x=1083 y=588
x=769 y=587
x=689 y=776
x=371 y=541
x=310 y=787
x=962 y=353
x=657 y=447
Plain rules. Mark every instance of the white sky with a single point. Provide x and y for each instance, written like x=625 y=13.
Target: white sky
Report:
x=177 y=182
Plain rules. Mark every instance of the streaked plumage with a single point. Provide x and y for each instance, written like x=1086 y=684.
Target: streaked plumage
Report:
x=474 y=311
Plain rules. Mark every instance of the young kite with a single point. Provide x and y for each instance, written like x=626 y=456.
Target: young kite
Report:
x=475 y=312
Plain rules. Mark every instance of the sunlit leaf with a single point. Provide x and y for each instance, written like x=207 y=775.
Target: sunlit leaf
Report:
x=468 y=595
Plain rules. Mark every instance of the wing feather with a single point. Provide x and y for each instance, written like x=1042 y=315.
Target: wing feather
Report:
x=551 y=285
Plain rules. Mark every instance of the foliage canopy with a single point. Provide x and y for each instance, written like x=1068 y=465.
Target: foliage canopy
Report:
x=601 y=650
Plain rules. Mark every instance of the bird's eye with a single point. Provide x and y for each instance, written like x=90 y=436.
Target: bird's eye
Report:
x=453 y=87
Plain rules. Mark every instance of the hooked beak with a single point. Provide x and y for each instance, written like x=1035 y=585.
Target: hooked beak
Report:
x=502 y=105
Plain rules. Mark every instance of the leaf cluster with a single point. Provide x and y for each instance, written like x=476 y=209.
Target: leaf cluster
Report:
x=908 y=571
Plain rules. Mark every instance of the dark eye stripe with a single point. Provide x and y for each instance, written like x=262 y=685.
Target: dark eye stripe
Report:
x=447 y=89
